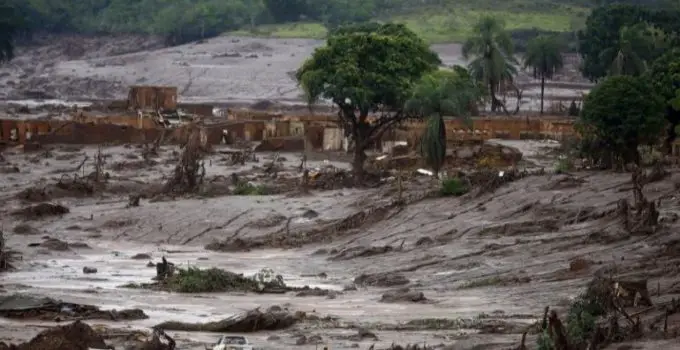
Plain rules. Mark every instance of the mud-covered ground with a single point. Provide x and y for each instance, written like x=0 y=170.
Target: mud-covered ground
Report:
x=223 y=69
x=487 y=264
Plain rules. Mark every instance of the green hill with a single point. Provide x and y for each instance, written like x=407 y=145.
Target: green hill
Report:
x=181 y=21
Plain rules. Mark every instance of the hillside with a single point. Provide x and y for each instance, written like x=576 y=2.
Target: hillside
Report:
x=180 y=21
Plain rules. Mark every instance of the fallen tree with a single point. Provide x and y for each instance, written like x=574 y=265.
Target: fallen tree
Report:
x=275 y=318
x=26 y=307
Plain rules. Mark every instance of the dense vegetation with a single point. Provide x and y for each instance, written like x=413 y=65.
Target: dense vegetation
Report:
x=184 y=20
x=388 y=71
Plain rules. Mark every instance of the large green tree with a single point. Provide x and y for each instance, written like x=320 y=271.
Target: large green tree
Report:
x=491 y=49
x=604 y=32
x=367 y=69
x=622 y=112
x=627 y=57
x=544 y=56
x=438 y=94
x=664 y=74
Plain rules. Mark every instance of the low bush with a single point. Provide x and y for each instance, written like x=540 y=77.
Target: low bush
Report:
x=453 y=187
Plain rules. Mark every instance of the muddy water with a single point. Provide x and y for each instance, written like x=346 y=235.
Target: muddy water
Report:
x=62 y=278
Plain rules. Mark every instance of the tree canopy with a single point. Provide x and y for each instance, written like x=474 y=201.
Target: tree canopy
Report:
x=664 y=74
x=491 y=50
x=367 y=69
x=624 y=112
x=614 y=31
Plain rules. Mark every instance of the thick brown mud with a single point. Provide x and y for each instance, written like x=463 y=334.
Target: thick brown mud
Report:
x=479 y=268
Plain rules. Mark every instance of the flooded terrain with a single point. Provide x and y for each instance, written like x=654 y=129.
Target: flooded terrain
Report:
x=219 y=70
x=486 y=263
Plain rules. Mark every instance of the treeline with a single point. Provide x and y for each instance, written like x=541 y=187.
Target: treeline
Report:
x=186 y=20
x=181 y=21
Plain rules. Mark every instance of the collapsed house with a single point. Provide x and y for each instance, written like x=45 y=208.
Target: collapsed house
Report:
x=153 y=112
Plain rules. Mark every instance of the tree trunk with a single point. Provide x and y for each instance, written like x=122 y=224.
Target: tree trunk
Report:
x=492 y=92
x=542 y=91
x=358 y=162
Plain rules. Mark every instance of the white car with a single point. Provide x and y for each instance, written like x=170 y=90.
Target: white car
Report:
x=232 y=342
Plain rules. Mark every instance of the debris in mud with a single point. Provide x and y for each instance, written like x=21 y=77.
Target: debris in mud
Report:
x=41 y=210
x=316 y=292
x=141 y=256
x=231 y=245
x=195 y=280
x=643 y=216
x=190 y=171
x=594 y=318
x=5 y=255
x=381 y=279
x=25 y=229
x=74 y=336
x=34 y=194
x=89 y=270
x=361 y=252
x=275 y=318
x=26 y=307
x=403 y=295
x=496 y=281
x=55 y=244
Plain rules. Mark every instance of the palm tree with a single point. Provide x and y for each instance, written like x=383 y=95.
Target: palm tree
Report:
x=438 y=94
x=9 y=23
x=544 y=56
x=628 y=56
x=493 y=62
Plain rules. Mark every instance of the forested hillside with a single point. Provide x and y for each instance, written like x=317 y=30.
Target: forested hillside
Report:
x=184 y=20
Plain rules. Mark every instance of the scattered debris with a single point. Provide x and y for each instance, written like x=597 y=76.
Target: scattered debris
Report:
x=403 y=295
x=26 y=307
x=382 y=279
x=40 y=211
x=275 y=318
x=74 y=336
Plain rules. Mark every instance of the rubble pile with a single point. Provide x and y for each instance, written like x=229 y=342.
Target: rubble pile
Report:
x=80 y=336
x=75 y=336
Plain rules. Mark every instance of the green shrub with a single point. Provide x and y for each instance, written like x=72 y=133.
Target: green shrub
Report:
x=195 y=280
x=543 y=341
x=453 y=187
x=247 y=189
x=564 y=165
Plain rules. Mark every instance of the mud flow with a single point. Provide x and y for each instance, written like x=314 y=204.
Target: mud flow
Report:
x=176 y=248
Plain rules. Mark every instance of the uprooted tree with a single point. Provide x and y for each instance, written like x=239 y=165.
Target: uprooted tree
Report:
x=621 y=114
x=366 y=69
x=190 y=171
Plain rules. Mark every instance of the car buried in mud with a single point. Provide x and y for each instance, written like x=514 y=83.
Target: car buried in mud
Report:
x=231 y=342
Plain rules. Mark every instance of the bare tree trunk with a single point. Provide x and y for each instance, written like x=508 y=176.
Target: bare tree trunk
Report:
x=358 y=162
x=542 y=91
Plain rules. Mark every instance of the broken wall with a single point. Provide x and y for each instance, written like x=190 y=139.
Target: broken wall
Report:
x=80 y=133
x=152 y=97
x=202 y=109
x=332 y=139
